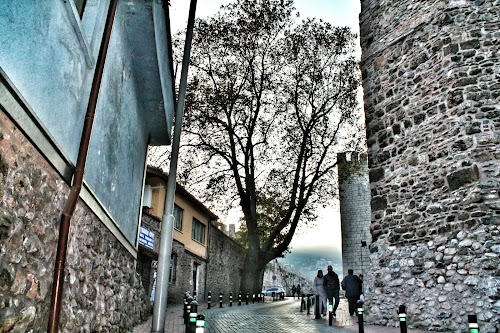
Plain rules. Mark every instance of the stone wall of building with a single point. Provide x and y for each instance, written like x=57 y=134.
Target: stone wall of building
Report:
x=431 y=80
x=183 y=280
x=102 y=291
x=225 y=264
x=355 y=212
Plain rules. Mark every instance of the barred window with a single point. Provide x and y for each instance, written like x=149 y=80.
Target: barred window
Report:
x=178 y=217
x=198 y=231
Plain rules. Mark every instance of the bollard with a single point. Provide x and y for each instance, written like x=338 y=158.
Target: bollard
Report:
x=189 y=299
x=360 y=317
x=330 y=314
x=239 y=299
x=247 y=298
x=185 y=314
x=191 y=326
x=263 y=297
x=200 y=324
x=209 y=302
x=317 y=314
x=273 y=295
x=220 y=300
x=473 y=325
x=402 y=319
x=253 y=298
x=230 y=299
x=194 y=295
x=308 y=304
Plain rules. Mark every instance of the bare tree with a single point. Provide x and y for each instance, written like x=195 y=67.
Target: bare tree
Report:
x=269 y=101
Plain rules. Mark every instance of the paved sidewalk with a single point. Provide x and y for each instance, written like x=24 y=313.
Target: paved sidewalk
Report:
x=273 y=317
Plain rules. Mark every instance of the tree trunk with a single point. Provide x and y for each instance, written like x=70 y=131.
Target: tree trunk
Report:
x=252 y=274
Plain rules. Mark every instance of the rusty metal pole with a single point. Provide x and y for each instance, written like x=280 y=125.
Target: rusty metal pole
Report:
x=62 y=245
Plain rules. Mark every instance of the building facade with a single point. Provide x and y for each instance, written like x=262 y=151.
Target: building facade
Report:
x=49 y=54
x=204 y=258
x=432 y=103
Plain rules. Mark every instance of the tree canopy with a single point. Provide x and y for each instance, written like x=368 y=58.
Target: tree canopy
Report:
x=269 y=100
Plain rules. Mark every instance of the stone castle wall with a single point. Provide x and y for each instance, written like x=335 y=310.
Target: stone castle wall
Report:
x=431 y=80
x=355 y=213
x=100 y=273
x=225 y=263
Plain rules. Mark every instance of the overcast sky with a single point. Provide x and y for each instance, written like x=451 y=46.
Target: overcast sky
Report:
x=338 y=13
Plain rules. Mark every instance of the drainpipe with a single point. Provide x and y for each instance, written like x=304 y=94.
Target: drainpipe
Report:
x=166 y=238
x=69 y=209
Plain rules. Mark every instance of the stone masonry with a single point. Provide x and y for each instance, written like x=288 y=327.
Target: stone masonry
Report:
x=225 y=263
x=101 y=276
x=431 y=79
x=355 y=213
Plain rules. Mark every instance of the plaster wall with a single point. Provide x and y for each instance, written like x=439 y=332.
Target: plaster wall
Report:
x=49 y=56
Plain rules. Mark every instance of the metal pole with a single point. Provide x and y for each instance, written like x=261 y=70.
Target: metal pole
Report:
x=166 y=238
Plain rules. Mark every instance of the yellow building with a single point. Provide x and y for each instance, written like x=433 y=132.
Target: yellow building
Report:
x=190 y=247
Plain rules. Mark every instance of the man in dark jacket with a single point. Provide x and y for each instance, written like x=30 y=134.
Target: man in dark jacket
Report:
x=332 y=287
x=352 y=286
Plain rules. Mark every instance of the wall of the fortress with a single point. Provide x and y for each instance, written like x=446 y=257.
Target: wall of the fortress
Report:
x=355 y=213
x=431 y=80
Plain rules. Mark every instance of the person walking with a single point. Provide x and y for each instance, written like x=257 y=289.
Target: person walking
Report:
x=352 y=286
x=320 y=291
x=332 y=288
x=294 y=290
x=298 y=291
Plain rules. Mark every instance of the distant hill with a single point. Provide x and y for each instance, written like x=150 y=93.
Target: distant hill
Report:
x=305 y=256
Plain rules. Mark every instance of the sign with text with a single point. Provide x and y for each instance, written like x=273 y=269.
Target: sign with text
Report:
x=147 y=238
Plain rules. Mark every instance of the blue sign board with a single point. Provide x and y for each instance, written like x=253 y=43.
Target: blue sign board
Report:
x=147 y=238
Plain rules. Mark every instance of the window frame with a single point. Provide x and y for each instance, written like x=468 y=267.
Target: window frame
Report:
x=178 y=209
x=194 y=232
x=173 y=268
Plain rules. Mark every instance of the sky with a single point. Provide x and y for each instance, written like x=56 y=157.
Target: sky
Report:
x=338 y=13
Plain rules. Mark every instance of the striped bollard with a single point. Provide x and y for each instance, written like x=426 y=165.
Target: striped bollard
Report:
x=473 y=325
x=209 y=299
x=230 y=299
x=360 y=317
x=308 y=304
x=247 y=298
x=191 y=326
x=330 y=314
x=253 y=298
x=220 y=300
x=402 y=319
x=200 y=324
x=239 y=299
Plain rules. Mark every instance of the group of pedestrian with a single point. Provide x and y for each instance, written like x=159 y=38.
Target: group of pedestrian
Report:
x=328 y=288
x=296 y=290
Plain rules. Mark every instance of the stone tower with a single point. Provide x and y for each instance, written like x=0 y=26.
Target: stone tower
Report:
x=431 y=79
x=355 y=212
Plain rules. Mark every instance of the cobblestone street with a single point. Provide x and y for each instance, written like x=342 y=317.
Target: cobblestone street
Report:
x=273 y=317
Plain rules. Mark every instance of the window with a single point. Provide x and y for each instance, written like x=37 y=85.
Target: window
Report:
x=198 y=231
x=173 y=268
x=80 y=6
x=178 y=217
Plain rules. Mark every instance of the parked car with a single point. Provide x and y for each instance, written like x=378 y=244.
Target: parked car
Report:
x=269 y=291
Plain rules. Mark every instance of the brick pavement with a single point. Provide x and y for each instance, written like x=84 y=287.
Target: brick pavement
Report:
x=273 y=317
